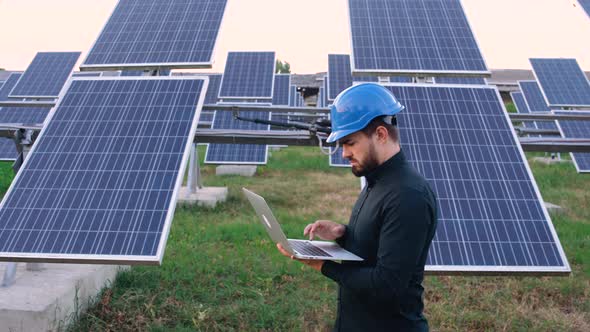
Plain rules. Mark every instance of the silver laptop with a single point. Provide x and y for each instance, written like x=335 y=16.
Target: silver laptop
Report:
x=302 y=249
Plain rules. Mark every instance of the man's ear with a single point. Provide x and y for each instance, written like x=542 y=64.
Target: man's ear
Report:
x=382 y=134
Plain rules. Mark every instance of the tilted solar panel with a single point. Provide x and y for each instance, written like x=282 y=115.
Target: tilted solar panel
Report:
x=340 y=76
x=9 y=85
x=87 y=74
x=536 y=103
x=154 y=34
x=522 y=108
x=23 y=115
x=563 y=82
x=46 y=75
x=400 y=79
x=585 y=5
x=409 y=36
x=281 y=91
x=7 y=149
x=100 y=183
x=254 y=154
x=491 y=214
x=576 y=129
x=248 y=75
x=336 y=159
x=213 y=89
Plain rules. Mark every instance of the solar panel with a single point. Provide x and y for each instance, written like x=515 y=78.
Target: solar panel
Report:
x=100 y=183
x=563 y=82
x=294 y=96
x=336 y=159
x=87 y=74
x=340 y=76
x=491 y=215
x=326 y=101
x=9 y=85
x=213 y=89
x=23 y=115
x=155 y=34
x=536 y=103
x=1 y=84
x=7 y=149
x=238 y=153
x=460 y=80
x=576 y=129
x=248 y=75
x=320 y=102
x=46 y=75
x=585 y=5
x=522 y=108
x=281 y=89
x=409 y=36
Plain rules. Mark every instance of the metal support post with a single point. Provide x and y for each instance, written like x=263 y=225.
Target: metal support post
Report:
x=194 y=172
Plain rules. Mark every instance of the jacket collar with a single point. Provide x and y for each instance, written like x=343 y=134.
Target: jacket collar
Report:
x=393 y=163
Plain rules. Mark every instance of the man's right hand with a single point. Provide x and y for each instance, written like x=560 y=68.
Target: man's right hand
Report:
x=325 y=230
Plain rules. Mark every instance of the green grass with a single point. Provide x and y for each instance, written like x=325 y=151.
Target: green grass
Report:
x=221 y=272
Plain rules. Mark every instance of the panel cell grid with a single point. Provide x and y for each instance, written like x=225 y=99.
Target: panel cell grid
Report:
x=576 y=129
x=491 y=215
x=144 y=33
x=248 y=75
x=585 y=5
x=336 y=159
x=410 y=36
x=522 y=108
x=23 y=115
x=46 y=75
x=238 y=153
x=563 y=82
x=281 y=88
x=101 y=180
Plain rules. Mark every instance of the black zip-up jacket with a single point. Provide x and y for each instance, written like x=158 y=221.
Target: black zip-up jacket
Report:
x=391 y=227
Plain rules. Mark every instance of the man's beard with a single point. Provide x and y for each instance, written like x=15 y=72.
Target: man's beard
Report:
x=368 y=165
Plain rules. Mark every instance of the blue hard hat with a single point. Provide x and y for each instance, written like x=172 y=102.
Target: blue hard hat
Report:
x=355 y=107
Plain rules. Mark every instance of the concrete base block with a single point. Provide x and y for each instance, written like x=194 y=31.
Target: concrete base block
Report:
x=242 y=170
x=206 y=196
x=47 y=300
x=554 y=209
x=276 y=147
x=549 y=160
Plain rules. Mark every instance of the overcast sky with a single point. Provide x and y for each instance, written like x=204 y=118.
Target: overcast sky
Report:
x=303 y=32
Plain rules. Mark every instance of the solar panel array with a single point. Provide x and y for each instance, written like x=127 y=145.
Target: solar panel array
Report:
x=154 y=33
x=340 y=75
x=101 y=180
x=46 y=75
x=491 y=215
x=576 y=129
x=336 y=159
x=238 y=153
x=206 y=118
x=409 y=36
x=460 y=80
x=563 y=82
x=9 y=85
x=248 y=75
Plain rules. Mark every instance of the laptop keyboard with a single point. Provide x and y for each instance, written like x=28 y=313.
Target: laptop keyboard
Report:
x=308 y=249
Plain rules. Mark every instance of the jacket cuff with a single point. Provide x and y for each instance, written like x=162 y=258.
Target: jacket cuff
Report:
x=342 y=240
x=331 y=270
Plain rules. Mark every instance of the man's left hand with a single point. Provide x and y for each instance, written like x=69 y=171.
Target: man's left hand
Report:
x=313 y=263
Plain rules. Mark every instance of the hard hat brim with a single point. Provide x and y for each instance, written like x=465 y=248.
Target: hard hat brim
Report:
x=336 y=135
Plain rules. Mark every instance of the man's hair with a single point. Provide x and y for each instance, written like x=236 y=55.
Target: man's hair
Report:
x=392 y=129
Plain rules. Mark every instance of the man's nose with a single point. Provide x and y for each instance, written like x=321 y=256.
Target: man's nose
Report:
x=346 y=153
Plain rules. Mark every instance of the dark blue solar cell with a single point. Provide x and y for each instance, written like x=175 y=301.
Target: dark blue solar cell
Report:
x=281 y=89
x=400 y=79
x=491 y=216
x=326 y=100
x=577 y=129
x=563 y=82
x=175 y=33
x=534 y=96
x=9 y=85
x=46 y=75
x=248 y=75
x=294 y=97
x=238 y=153
x=412 y=36
x=23 y=115
x=7 y=149
x=101 y=177
x=460 y=80
x=339 y=74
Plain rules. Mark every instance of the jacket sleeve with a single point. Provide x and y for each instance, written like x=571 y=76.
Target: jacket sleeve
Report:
x=402 y=240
